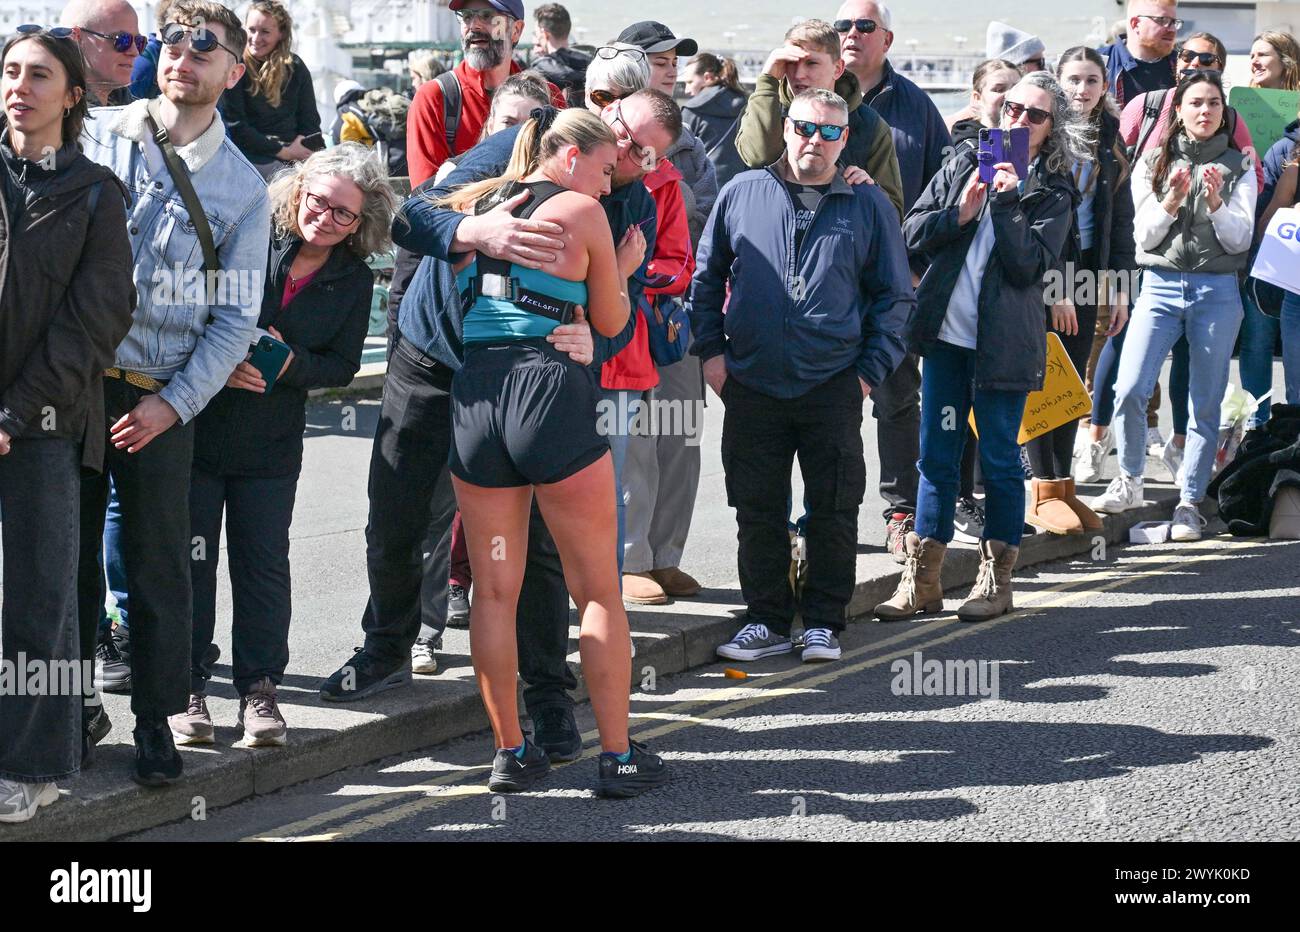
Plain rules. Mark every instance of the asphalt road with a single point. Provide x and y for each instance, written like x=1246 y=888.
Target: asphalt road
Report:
x=1146 y=697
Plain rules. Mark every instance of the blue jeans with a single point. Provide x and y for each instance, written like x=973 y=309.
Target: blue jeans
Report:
x=1291 y=347
x=1206 y=309
x=1103 y=390
x=623 y=407
x=947 y=395
x=114 y=562
x=1258 y=337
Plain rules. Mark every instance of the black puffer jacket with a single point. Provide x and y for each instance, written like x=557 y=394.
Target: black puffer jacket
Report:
x=713 y=115
x=242 y=433
x=1030 y=235
x=66 y=296
x=260 y=130
x=1268 y=458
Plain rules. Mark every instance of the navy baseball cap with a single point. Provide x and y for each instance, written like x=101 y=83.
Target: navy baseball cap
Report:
x=514 y=8
x=652 y=38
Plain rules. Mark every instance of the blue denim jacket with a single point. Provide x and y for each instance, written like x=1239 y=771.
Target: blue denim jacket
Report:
x=175 y=336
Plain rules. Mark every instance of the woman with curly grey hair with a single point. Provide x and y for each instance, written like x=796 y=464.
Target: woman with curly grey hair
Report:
x=980 y=323
x=330 y=213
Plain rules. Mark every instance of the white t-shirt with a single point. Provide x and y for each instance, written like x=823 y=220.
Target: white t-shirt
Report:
x=961 y=325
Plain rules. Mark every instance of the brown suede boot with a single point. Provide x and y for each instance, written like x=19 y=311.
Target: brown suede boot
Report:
x=991 y=594
x=1049 y=509
x=919 y=590
x=1090 y=520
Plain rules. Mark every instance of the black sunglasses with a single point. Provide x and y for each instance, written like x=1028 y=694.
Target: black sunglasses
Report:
x=1204 y=59
x=201 y=39
x=828 y=131
x=1036 y=116
x=603 y=99
x=866 y=26
x=54 y=32
x=122 y=41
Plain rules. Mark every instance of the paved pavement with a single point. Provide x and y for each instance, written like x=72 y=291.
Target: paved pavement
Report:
x=1147 y=699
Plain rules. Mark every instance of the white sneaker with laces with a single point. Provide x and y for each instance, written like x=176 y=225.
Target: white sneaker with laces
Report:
x=1172 y=456
x=1092 y=459
x=423 y=659
x=1123 y=494
x=1155 y=442
x=1188 y=523
x=19 y=801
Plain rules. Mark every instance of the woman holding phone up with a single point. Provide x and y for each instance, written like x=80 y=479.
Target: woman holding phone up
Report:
x=330 y=212
x=980 y=323
x=1195 y=216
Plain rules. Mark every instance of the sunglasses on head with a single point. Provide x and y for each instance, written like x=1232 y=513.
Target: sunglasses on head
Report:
x=1036 y=116
x=122 y=41
x=54 y=32
x=865 y=26
x=201 y=39
x=1204 y=59
x=828 y=131
x=603 y=99
x=609 y=52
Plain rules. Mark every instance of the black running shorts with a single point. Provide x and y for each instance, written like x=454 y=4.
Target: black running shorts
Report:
x=522 y=414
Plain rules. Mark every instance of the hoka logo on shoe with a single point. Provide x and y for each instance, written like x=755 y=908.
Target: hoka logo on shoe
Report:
x=626 y=769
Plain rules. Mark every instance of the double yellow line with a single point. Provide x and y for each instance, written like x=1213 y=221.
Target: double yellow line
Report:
x=360 y=816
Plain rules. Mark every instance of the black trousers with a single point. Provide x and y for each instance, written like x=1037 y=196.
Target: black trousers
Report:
x=897 y=409
x=258 y=512
x=761 y=436
x=410 y=451
x=437 y=559
x=40 y=735
x=153 y=489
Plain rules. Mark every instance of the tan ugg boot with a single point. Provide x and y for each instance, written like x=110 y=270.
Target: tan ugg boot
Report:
x=991 y=594
x=1090 y=520
x=1049 y=510
x=643 y=589
x=919 y=590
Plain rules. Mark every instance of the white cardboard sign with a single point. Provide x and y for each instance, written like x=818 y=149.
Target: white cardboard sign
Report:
x=1278 y=261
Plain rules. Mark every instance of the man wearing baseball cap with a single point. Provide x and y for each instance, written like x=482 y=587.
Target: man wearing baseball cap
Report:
x=448 y=113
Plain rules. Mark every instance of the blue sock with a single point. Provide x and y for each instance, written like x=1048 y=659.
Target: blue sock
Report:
x=621 y=758
x=519 y=750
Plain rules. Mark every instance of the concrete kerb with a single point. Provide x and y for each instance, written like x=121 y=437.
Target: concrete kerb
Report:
x=669 y=639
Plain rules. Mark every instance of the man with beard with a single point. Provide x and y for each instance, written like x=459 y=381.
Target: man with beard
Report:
x=183 y=344
x=108 y=34
x=414 y=432
x=448 y=113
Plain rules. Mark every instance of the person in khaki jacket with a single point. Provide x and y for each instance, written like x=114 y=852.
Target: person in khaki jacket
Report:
x=810 y=58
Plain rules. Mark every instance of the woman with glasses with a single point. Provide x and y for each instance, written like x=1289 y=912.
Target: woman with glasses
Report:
x=980 y=323
x=272 y=110
x=1274 y=65
x=65 y=305
x=524 y=423
x=330 y=213
x=1194 y=199
x=1105 y=255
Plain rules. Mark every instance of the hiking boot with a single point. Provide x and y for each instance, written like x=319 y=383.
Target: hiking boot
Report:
x=194 y=725
x=919 y=589
x=900 y=525
x=19 y=801
x=642 y=771
x=1123 y=493
x=1087 y=517
x=457 y=607
x=157 y=762
x=675 y=583
x=643 y=589
x=423 y=659
x=754 y=642
x=512 y=773
x=556 y=732
x=113 y=661
x=259 y=715
x=364 y=675
x=991 y=594
x=1049 y=510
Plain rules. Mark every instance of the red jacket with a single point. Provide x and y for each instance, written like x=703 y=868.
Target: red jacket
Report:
x=426 y=136
x=634 y=369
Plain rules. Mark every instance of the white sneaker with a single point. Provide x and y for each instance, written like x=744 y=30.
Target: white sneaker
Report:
x=1188 y=522
x=19 y=801
x=423 y=659
x=1092 y=459
x=1123 y=493
x=1155 y=442
x=1172 y=456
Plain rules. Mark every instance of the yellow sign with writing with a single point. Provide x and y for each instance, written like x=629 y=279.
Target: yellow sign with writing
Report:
x=1062 y=399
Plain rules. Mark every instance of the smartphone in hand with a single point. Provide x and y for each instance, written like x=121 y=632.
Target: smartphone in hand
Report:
x=267 y=357
x=315 y=142
x=1003 y=145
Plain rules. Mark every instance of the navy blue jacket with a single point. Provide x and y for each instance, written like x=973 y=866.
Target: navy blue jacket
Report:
x=920 y=136
x=430 y=315
x=794 y=321
x=1277 y=156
